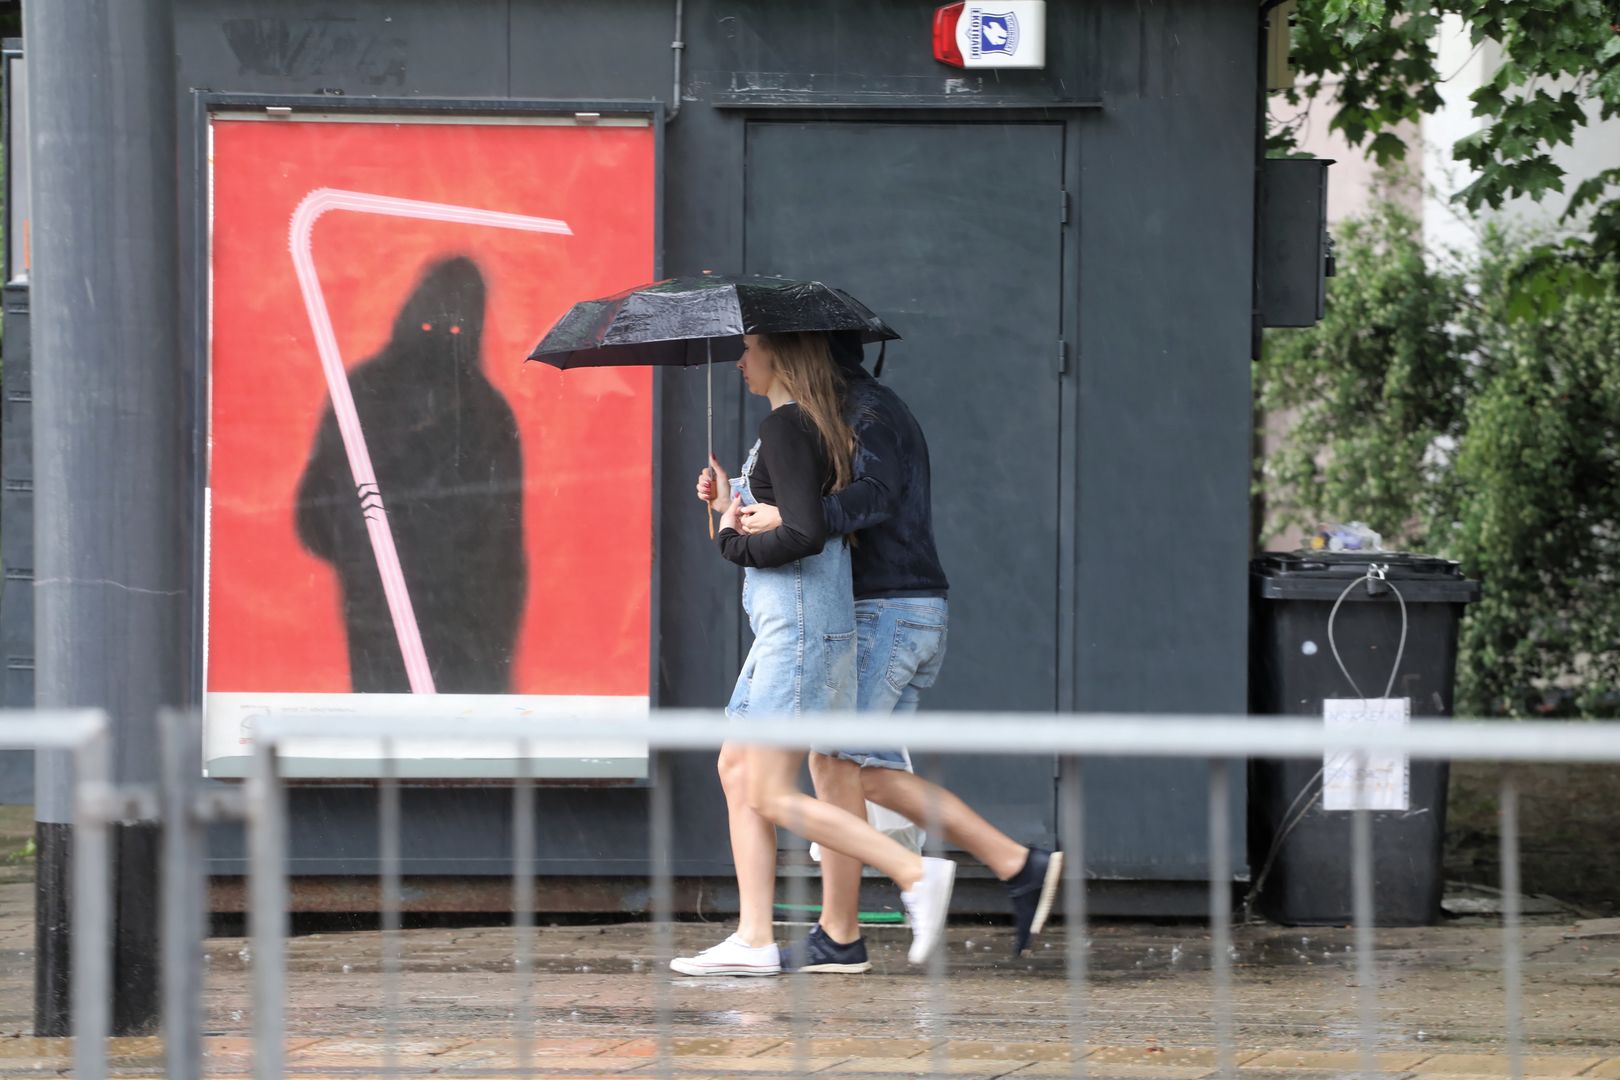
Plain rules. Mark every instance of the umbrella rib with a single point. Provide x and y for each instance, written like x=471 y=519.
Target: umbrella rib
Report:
x=317 y=203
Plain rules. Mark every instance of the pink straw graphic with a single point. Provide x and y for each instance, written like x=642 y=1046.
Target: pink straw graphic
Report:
x=309 y=211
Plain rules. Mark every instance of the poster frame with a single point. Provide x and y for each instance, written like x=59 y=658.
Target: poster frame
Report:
x=205 y=105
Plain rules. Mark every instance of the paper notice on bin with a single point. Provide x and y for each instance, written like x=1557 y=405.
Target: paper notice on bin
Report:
x=1385 y=784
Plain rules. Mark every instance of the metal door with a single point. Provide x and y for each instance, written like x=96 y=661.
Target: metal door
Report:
x=953 y=232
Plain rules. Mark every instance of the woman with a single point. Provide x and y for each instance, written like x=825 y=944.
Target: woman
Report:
x=797 y=593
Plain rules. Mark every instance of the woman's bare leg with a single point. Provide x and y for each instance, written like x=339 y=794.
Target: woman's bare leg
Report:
x=923 y=801
x=773 y=792
x=753 y=850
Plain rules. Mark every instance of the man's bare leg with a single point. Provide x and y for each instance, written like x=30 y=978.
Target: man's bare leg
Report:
x=924 y=801
x=839 y=782
x=1032 y=877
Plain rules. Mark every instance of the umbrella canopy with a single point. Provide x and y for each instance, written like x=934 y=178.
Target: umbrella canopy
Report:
x=696 y=320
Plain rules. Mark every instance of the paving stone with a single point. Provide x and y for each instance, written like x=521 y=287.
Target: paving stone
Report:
x=1320 y=1074
x=501 y=1051
x=223 y=1049
x=133 y=1046
x=741 y=1047
x=923 y=1066
x=1497 y=1065
x=740 y=1066
x=369 y=1053
x=27 y=1048
x=1331 y=1060
x=1156 y=1056
x=556 y=1065
x=855 y=1048
x=1011 y=1051
x=1102 y=1071
x=573 y=1068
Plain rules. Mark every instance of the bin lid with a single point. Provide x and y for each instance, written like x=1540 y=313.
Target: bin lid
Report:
x=1322 y=575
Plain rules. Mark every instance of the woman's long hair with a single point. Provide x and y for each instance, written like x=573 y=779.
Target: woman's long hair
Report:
x=804 y=363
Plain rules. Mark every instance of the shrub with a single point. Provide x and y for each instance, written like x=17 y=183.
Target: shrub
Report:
x=1423 y=406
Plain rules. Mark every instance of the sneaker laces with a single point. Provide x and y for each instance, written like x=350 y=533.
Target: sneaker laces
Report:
x=716 y=948
x=914 y=905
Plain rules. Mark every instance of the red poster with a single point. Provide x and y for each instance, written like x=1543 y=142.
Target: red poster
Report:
x=398 y=502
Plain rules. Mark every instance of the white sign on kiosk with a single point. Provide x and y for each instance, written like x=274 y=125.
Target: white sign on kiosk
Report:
x=1008 y=34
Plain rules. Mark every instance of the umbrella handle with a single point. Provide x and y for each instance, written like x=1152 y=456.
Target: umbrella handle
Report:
x=708 y=371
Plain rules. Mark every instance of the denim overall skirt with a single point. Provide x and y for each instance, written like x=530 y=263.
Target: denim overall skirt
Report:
x=803 y=618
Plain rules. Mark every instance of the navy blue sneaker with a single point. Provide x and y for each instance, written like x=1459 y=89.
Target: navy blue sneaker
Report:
x=818 y=953
x=1032 y=890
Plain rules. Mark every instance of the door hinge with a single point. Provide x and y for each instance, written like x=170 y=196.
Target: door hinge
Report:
x=1063 y=357
x=1063 y=207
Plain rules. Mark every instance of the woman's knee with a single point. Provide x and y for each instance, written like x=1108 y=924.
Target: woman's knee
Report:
x=733 y=769
x=766 y=799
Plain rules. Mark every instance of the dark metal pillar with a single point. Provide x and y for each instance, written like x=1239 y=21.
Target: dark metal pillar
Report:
x=110 y=586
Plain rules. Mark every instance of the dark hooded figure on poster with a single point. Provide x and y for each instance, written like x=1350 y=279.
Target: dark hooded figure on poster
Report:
x=445 y=447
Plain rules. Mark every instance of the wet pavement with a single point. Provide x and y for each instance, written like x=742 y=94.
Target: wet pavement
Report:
x=596 y=999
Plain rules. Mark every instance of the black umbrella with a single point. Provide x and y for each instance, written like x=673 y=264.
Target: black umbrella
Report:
x=673 y=322
x=678 y=323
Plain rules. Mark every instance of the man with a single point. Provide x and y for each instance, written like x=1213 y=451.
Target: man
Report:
x=901 y=624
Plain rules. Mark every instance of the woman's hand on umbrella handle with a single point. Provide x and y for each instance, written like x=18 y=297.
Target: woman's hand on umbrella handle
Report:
x=714 y=487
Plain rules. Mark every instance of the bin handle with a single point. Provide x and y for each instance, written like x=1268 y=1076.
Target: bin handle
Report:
x=1375 y=572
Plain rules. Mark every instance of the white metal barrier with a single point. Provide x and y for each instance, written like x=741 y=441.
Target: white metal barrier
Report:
x=186 y=804
x=1221 y=741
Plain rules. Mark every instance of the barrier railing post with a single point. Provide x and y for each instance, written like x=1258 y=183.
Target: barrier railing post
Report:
x=660 y=836
x=934 y=830
x=267 y=850
x=1072 y=839
x=1512 y=979
x=92 y=885
x=1361 y=888
x=1220 y=909
x=523 y=932
x=184 y=901
x=388 y=837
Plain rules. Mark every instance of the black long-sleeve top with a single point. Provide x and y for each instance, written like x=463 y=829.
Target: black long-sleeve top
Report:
x=889 y=501
x=792 y=473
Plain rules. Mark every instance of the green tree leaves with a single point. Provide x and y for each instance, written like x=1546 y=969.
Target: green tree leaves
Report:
x=1559 y=68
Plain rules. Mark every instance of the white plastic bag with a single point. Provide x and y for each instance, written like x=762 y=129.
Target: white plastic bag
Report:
x=902 y=829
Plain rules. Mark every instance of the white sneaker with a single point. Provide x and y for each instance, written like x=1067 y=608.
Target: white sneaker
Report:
x=731 y=957
x=927 y=905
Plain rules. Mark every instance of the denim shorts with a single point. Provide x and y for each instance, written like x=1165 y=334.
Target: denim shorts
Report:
x=900 y=647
